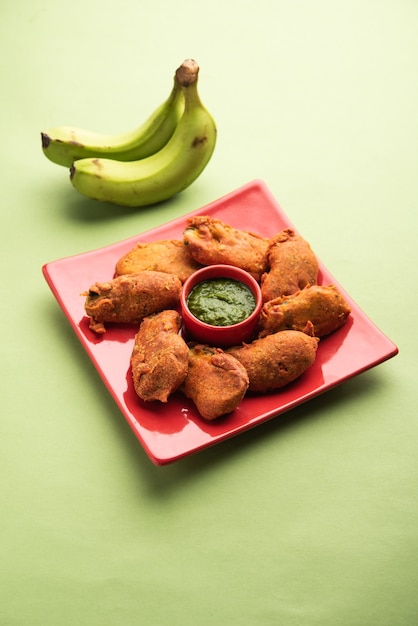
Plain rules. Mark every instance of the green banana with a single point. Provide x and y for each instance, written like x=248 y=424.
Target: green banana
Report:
x=163 y=174
x=64 y=145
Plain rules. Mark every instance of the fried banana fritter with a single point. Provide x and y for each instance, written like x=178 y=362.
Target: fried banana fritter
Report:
x=211 y=241
x=159 y=359
x=276 y=360
x=216 y=381
x=292 y=265
x=323 y=306
x=130 y=298
x=169 y=255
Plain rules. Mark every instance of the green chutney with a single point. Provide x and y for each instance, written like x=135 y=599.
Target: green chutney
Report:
x=221 y=301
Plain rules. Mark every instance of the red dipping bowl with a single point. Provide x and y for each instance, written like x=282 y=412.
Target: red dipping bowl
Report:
x=220 y=336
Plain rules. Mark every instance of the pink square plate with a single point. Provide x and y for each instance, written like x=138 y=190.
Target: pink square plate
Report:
x=173 y=430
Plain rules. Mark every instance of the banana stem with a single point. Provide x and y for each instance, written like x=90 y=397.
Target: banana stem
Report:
x=187 y=73
x=186 y=77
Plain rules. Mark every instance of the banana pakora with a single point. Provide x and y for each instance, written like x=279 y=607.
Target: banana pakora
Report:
x=292 y=265
x=170 y=255
x=211 y=241
x=159 y=359
x=130 y=298
x=215 y=381
x=276 y=360
x=323 y=306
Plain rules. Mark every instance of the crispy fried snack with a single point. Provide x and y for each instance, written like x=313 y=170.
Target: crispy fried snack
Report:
x=210 y=242
x=292 y=265
x=130 y=298
x=276 y=360
x=159 y=359
x=170 y=255
x=324 y=307
x=216 y=382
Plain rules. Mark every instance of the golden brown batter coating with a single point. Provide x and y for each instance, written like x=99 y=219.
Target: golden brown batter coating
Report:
x=170 y=255
x=323 y=306
x=159 y=359
x=276 y=360
x=216 y=381
x=292 y=265
x=130 y=298
x=211 y=241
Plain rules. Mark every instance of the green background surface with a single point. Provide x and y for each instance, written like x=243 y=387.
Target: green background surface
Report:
x=310 y=519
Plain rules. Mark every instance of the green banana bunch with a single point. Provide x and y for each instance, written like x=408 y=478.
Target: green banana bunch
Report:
x=64 y=145
x=163 y=174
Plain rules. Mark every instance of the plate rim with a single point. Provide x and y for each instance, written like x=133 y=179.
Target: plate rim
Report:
x=170 y=456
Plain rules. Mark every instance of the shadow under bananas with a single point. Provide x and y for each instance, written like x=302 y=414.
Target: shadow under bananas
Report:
x=83 y=210
x=86 y=210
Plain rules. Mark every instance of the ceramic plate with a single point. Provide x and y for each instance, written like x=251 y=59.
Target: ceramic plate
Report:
x=173 y=430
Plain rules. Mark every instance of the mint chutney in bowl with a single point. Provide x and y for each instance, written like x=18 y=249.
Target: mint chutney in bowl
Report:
x=220 y=305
